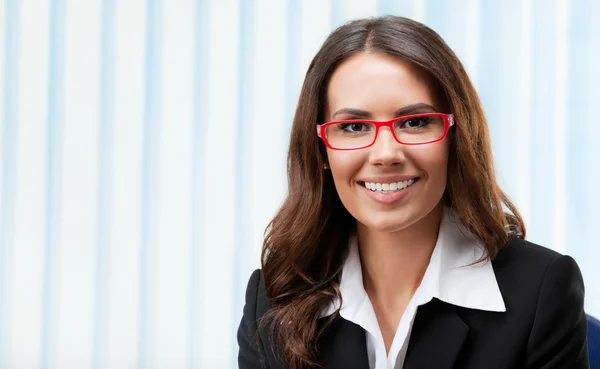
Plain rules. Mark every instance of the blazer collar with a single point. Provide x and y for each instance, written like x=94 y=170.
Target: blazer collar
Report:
x=437 y=338
x=438 y=335
x=343 y=345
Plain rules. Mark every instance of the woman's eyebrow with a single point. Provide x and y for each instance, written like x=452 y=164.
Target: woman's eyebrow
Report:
x=410 y=109
x=354 y=112
x=415 y=108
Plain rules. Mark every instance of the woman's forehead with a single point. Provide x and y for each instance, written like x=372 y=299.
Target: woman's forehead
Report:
x=378 y=83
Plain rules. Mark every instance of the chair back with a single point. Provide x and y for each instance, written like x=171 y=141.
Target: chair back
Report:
x=593 y=336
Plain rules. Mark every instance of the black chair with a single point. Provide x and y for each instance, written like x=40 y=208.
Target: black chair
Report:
x=593 y=335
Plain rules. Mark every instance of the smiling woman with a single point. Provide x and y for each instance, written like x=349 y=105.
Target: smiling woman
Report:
x=393 y=248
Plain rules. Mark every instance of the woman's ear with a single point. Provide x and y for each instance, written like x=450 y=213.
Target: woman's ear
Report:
x=325 y=162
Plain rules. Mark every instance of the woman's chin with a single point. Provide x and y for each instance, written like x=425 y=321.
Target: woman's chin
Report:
x=389 y=225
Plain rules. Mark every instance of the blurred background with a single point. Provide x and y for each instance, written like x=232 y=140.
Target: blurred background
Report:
x=142 y=154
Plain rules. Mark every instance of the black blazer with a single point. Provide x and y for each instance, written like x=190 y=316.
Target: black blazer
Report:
x=544 y=325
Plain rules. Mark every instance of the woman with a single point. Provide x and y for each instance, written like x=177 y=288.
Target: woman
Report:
x=392 y=248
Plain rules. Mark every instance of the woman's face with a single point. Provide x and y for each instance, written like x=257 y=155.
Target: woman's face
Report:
x=378 y=87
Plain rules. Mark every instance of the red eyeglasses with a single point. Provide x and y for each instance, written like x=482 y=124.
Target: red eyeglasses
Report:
x=416 y=129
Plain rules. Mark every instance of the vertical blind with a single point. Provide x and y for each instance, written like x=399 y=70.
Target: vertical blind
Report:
x=143 y=144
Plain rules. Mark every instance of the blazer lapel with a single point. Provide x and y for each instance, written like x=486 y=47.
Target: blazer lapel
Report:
x=437 y=337
x=343 y=345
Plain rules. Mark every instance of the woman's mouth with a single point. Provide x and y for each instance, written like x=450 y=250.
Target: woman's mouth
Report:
x=388 y=193
x=389 y=187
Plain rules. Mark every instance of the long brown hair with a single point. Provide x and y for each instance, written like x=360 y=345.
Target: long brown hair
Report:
x=305 y=243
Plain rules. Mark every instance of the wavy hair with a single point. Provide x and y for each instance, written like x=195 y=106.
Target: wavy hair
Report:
x=306 y=242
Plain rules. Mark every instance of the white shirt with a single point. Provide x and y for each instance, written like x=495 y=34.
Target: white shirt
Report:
x=449 y=277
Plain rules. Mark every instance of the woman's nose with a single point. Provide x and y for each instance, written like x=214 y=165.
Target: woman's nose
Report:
x=386 y=150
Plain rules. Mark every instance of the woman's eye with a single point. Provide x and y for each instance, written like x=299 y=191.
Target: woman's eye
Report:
x=354 y=127
x=415 y=122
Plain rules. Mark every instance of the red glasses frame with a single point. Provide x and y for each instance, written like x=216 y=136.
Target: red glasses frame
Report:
x=448 y=122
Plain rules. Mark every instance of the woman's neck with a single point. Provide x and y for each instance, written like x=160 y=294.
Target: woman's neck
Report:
x=393 y=264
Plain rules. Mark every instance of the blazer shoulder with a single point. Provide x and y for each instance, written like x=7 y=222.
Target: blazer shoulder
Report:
x=250 y=341
x=522 y=254
x=523 y=268
x=520 y=268
x=256 y=294
x=252 y=287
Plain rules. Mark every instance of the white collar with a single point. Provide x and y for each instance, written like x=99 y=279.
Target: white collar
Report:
x=453 y=274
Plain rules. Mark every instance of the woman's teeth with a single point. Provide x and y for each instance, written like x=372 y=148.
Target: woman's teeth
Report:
x=389 y=187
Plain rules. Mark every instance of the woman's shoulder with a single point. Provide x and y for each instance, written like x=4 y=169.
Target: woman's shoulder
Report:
x=256 y=294
x=544 y=290
x=530 y=258
x=518 y=249
x=525 y=271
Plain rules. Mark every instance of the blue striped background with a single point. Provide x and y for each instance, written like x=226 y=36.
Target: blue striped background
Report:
x=105 y=193
x=149 y=190
x=7 y=177
x=243 y=159
x=53 y=182
x=198 y=216
x=292 y=60
x=513 y=50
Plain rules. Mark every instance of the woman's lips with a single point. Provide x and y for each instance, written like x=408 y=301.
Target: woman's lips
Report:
x=388 y=198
